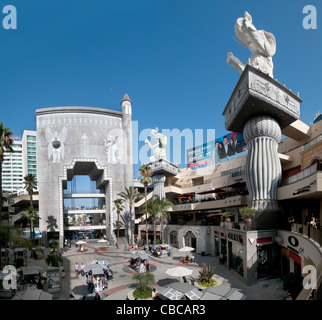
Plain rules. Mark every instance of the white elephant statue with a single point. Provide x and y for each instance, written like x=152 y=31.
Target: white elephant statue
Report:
x=159 y=149
x=262 y=44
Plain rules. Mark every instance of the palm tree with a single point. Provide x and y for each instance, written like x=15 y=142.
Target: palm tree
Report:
x=145 y=172
x=153 y=210
x=118 y=206
x=32 y=215
x=130 y=195
x=30 y=184
x=162 y=203
x=53 y=258
x=5 y=237
x=5 y=146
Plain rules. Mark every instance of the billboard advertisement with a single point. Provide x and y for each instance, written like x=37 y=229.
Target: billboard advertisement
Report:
x=226 y=147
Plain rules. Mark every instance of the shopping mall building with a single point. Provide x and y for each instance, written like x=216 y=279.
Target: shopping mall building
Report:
x=78 y=142
x=201 y=196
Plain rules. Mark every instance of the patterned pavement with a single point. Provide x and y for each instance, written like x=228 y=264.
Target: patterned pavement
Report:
x=265 y=289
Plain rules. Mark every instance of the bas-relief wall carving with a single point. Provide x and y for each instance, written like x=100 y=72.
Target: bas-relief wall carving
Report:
x=112 y=149
x=56 y=144
x=265 y=89
x=56 y=135
x=71 y=119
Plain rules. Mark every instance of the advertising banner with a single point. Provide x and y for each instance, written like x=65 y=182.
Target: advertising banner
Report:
x=221 y=149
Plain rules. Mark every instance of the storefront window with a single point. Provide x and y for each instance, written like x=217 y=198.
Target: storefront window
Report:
x=236 y=257
x=223 y=251
x=264 y=254
x=217 y=249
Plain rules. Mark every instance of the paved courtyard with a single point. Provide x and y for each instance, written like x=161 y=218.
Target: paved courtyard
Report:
x=265 y=289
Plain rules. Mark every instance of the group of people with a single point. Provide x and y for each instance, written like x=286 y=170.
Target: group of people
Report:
x=159 y=251
x=98 y=282
x=312 y=223
x=37 y=280
x=224 y=149
x=140 y=265
x=190 y=259
x=79 y=269
x=187 y=280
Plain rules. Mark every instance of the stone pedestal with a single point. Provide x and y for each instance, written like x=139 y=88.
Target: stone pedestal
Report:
x=259 y=108
x=162 y=169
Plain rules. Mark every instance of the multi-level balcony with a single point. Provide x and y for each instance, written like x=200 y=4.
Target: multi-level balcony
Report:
x=84 y=211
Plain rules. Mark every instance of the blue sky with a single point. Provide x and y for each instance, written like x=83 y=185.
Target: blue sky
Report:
x=168 y=55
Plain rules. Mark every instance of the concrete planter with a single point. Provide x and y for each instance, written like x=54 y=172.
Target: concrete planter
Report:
x=215 y=277
x=129 y=295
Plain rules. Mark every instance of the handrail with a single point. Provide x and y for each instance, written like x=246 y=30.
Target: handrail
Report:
x=313 y=233
x=301 y=175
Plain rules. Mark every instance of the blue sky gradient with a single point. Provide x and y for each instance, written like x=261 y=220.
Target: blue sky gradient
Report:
x=168 y=55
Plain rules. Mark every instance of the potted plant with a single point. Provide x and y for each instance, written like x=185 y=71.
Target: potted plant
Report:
x=227 y=217
x=248 y=214
x=144 y=291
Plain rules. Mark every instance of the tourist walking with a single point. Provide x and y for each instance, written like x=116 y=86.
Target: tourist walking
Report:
x=76 y=269
x=82 y=269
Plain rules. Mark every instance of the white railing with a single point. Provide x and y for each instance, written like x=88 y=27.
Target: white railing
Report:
x=301 y=175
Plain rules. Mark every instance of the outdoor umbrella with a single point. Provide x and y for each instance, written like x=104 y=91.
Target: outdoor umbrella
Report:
x=103 y=241
x=80 y=242
x=179 y=272
x=30 y=270
x=186 y=249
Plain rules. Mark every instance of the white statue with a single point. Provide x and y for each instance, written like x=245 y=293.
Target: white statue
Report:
x=159 y=149
x=56 y=147
x=262 y=44
x=112 y=149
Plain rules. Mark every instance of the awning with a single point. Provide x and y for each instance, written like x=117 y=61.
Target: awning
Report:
x=226 y=293
x=179 y=290
x=296 y=258
x=34 y=294
x=97 y=271
x=212 y=296
x=214 y=214
x=237 y=184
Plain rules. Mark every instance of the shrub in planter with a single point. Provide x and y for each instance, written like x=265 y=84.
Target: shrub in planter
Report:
x=227 y=215
x=248 y=214
x=138 y=293
x=143 y=291
x=205 y=276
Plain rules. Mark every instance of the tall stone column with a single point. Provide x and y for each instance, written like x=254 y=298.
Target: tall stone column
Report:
x=158 y=181
x=263 y=167
x=260 y=107
x=126 y=104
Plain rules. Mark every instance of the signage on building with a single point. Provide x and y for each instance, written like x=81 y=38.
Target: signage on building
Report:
x=235 y=237
x=264 y=241
x=294 y=242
